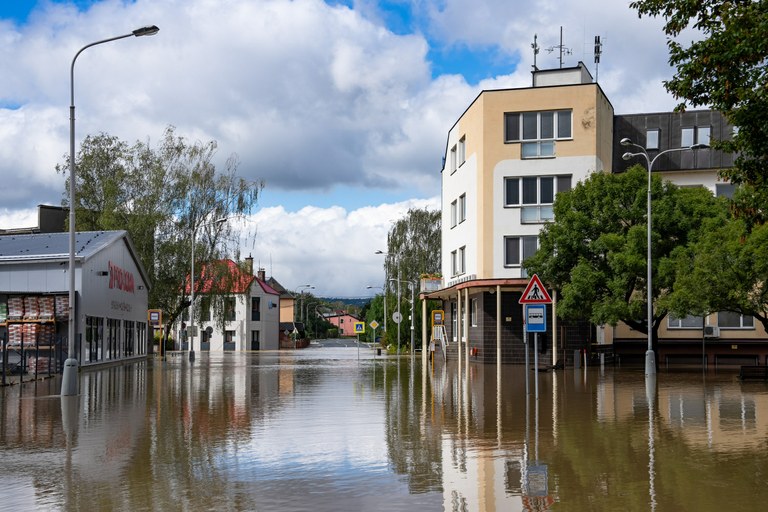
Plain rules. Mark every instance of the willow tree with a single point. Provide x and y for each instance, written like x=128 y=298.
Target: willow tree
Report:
x=167 y=196
x=413 y=249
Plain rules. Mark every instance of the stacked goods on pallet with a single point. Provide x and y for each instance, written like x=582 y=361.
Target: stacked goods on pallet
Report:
x=37 y=364
x=46 y=335
x=46 y=304
x=3 y=312
x=15 y=308
x=14 y=335
x=62 y=307
x=29 y=334
x=31 y=308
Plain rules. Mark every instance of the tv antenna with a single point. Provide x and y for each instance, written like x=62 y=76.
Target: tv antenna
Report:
x=561 y=48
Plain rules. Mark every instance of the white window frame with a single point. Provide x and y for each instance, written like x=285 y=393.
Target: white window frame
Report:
x=473 y=312
x=462 y=259
x=520 y=249
x=462 y=208
x=462 y=150
x=454 y=263
x=652 y=138
x=689 y=322
x=453 y=213
x=538 y=145
x=452 y=159
x=745 y=322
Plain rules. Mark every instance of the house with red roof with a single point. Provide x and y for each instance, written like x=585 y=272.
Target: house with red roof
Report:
x=252 y=309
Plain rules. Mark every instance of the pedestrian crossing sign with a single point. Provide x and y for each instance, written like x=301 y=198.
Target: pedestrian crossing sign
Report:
x=535 y=293
x=359 y=327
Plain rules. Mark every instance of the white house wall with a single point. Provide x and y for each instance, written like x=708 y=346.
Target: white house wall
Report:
x=463 y=181
x=506 y=221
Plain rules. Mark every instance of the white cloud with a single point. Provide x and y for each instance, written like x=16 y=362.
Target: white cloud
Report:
x=330 y=248
x=309 y=96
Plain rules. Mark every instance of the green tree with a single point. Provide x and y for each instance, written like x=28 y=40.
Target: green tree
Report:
x=726 y=270
x=413 y=249
x=167 y=197
x=595 y=255
x=727 y=70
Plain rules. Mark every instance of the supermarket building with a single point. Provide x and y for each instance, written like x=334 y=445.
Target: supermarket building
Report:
x=111 y=289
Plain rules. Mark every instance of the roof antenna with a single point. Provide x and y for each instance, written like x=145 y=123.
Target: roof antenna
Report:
x=536 y=48
x=561 y=48
x=598 y=52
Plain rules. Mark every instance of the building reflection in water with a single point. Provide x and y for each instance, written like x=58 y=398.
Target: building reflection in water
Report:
x=322 y=431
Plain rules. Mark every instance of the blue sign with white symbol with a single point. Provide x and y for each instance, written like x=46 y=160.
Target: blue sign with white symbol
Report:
x=536 y=317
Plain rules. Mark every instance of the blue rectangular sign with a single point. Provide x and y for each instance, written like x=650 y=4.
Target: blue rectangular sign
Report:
x=536 y=317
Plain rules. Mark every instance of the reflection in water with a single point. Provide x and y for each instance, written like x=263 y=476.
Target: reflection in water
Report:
x=320 y=430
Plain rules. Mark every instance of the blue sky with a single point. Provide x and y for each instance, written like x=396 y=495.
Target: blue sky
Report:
x=341 y=107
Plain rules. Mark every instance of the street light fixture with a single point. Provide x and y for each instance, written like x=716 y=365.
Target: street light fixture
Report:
x=384 y=292
x=650 y=357
x=297 y=316
x=192 y=288
x=412 y=286
x=69 y=383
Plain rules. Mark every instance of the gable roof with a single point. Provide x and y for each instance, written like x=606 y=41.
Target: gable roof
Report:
x=240 y=280
x=52 y=247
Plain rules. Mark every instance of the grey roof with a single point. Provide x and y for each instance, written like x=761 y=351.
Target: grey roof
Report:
x=55 y=246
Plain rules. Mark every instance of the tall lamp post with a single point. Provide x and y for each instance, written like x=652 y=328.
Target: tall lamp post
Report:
x=295 y=291
x=192 y=289
x=650 y=356
x=69 y=383
x=412 y=286
x=384 y=291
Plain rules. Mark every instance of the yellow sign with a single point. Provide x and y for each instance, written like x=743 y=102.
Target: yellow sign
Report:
x=374 y=324
x=359 y=327
x=155 y=317
x=438 y=317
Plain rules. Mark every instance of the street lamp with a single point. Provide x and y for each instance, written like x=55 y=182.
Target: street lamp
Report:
x=386 y=269
x=412 y=286
x=192 y=288
x=69 y=384
x=384 y=291
x=297 y=316
x=650 y=357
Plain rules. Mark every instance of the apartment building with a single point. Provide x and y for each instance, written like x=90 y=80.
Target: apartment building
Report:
x=506 y=158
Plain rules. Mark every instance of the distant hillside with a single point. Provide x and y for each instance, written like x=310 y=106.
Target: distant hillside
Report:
x=352 y=301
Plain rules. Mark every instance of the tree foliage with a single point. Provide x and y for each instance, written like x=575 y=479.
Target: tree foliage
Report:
x=595 y=252
x=727 y=70
x=413 y=249
x=167 y=197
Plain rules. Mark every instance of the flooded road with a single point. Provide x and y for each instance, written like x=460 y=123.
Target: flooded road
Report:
x=320 y=430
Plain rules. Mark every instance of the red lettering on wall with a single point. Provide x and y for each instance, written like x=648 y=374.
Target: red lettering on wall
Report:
x=120 y=279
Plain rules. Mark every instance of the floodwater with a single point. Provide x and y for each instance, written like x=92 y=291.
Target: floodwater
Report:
x=321 y=430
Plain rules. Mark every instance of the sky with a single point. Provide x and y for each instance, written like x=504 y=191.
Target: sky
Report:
x=341 y=107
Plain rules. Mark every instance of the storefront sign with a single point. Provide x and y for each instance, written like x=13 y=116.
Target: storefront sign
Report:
x=120 y=279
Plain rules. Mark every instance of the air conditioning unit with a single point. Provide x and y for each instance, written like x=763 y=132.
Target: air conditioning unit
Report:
x=711 y=331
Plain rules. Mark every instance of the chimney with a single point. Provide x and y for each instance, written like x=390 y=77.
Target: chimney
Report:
x=262 y=275
x=249 y=265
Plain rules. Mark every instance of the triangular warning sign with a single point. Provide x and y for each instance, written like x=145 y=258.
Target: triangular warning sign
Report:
x=535 y=293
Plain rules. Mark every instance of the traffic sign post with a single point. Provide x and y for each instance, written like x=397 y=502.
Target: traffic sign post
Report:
x=535 y=321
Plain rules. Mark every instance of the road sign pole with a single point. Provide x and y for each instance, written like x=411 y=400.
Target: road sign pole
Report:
x=525 y=340
x=536 y=364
